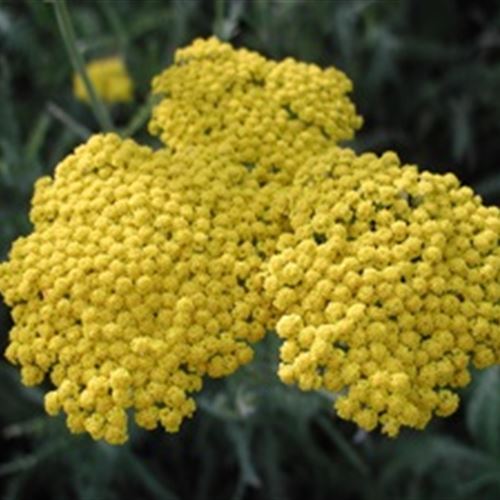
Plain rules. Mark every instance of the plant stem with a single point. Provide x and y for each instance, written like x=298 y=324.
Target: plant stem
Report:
x=67 y=120
x=116 y=25
x=141 y=116
x=218 y=26
x=68 y=34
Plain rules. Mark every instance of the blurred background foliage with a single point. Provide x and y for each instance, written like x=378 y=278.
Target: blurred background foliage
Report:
x=426 y=76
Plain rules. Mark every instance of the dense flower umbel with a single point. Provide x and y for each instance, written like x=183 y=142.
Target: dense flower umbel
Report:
x=388 y=288
x=148 y=270
x=272 y=115
x=110 y=79
x=136 y=282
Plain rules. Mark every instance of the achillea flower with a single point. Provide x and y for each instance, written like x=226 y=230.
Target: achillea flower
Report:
x=136 y=282
x=110 y=79
x=387 y=288
x=271 y=115
x=148 y=270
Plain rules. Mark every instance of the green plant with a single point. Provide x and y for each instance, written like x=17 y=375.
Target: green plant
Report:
x=438 y=79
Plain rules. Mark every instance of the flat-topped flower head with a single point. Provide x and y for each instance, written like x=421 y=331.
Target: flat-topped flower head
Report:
x=148 y=270
x=271 y=115
x=388 y=288
x=136 y=282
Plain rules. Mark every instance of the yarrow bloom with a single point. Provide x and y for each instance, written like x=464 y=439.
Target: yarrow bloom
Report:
x=271 y=115
x=387 y=286
x=136 y=282
x=148 y=270
x=110 y=79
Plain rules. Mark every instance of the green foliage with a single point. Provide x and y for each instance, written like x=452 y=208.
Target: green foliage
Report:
x=426 y=79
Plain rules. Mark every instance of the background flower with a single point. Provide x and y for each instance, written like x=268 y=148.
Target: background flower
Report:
x=110 y=79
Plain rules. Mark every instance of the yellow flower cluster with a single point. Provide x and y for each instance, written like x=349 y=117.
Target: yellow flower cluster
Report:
x=110 y=79
x=271 y=115
x=148 y=270
x=387 y=286
x=136 y=282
